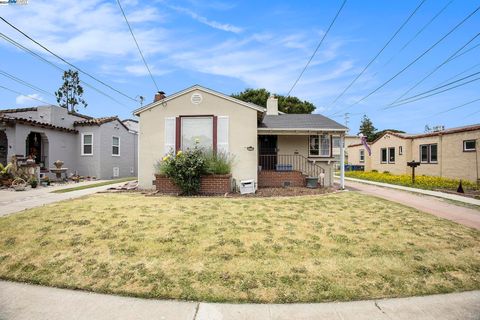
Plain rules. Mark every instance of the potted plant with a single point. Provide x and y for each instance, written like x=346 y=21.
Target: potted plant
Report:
x=33 y=183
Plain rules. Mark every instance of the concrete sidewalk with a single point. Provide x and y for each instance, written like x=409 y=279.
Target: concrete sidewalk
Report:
x=436 y=206
x=22 y=301
x=12 y=201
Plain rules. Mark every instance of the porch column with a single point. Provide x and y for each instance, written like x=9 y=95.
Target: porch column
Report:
x=342 y=161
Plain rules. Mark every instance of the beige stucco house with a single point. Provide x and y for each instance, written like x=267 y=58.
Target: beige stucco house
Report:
x=451 y=153
x=268 y=146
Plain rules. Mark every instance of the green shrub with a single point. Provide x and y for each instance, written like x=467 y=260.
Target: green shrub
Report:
x=185 y=169
x=218 y=163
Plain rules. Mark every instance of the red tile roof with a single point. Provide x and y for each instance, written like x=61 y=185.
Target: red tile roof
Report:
x=6 y=119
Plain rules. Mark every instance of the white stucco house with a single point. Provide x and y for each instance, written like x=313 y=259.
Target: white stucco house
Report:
x=269 y=147
x=104 y=148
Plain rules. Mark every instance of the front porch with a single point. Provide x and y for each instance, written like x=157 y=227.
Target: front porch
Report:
x=287 y=159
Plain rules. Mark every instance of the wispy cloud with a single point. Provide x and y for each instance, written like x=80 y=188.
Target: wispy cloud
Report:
x=211 y=23
x=30 y=99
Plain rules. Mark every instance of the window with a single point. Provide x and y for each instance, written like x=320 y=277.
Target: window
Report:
x=87 y=144
x=336 y=142
x=115 y=146
x=362 y=155
x=384 y=155
x=400 y=150
x=197 y=130
x=469 y=145
x=319 y=146
x=428 y=153
x=391 y=155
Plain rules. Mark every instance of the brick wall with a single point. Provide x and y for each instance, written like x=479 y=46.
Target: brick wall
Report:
x=209 y=184
x=270 y=178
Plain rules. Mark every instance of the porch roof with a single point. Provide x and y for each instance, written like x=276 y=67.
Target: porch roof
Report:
x=300 y=122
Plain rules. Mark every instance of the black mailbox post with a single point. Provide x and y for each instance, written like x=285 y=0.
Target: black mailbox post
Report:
x=413 y=164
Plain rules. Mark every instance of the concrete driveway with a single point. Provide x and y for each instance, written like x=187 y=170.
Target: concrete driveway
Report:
x=436 y=206
x=15 y=201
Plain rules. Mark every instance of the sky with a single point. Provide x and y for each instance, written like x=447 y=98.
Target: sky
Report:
x=229 y=46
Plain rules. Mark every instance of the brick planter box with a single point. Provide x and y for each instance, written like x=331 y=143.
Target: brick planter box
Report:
x=272 y=178
x=209 y=184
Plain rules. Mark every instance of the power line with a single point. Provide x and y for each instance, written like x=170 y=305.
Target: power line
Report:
x=416 y=59
x=36 y=55
x=450 y=58
x=25 y=95
x=318 y=46
x=418 y=32
x=65 y=61
x=459 y=74
x=409 y=99
x=138 y=47
x=378 y=54
x=25 y=83
x=457 y=107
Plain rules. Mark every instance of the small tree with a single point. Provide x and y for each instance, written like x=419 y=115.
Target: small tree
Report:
x=367 y=128
x=285 y=104
x=69 y=95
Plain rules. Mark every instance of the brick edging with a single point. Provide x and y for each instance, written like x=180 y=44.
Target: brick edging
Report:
x=209 y=184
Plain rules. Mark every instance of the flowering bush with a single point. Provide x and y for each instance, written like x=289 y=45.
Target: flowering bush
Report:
x=185 y=169
x=422 y=182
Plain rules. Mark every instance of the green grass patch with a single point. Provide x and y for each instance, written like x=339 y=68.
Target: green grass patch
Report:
x=421 y=182
x=94 y=185
x=343 y=246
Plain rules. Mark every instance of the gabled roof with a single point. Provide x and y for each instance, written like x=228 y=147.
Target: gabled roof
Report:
x=299 y=122
x=198 y=87
x=98 y=121
x=34 y=123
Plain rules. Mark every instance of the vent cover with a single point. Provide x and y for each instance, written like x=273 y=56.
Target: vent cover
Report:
x=196 y=98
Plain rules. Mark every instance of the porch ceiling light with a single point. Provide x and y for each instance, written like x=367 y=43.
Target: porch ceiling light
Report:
x=250 y=148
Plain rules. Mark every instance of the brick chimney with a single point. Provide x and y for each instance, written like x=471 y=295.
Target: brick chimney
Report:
x=160 y=95
x=272 y=106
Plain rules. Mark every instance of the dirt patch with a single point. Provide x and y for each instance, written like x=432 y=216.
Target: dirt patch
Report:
x=286 y=192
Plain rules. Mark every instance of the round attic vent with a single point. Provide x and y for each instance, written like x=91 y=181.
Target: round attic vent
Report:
x=196 y=98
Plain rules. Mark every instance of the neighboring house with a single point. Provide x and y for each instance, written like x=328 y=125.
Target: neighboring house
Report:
x=104 y=148
x=348 y=140
x=451 y=153
x=272 y=149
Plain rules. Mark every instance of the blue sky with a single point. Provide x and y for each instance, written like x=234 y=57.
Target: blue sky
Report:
x=232 y=45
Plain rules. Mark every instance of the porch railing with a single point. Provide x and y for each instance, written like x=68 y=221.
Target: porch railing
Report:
x=289 y=162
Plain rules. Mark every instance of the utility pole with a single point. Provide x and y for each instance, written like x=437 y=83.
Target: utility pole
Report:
x=347 y=119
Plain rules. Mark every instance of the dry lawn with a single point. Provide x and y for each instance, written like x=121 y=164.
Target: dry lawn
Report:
x=340 y=246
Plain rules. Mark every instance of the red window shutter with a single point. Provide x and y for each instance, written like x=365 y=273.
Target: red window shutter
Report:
x=178 y=135
x=215 y=120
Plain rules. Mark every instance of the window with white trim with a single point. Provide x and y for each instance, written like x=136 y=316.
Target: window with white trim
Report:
x=336 y=142
x=115 y=146
x=429 y=153
x=469 y=145
x=384 y=158
x=362 y=155
x=319 y=145
x=391 y=155
x=87 y=144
